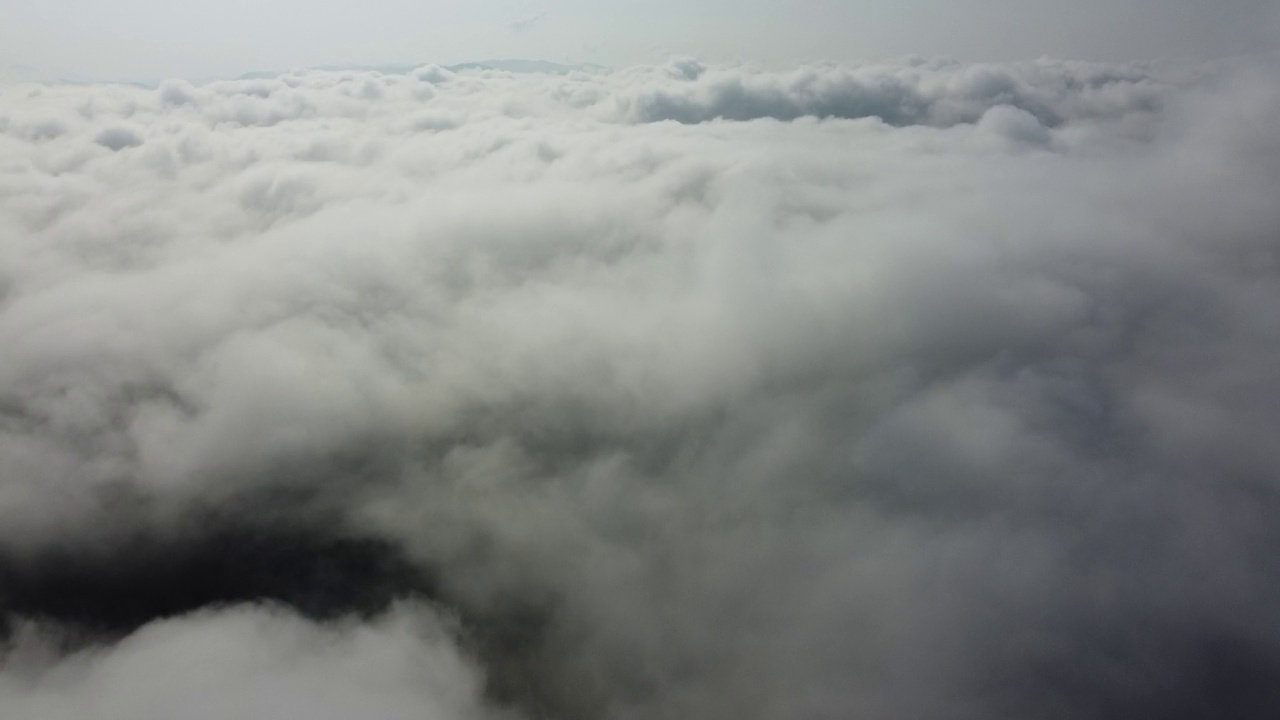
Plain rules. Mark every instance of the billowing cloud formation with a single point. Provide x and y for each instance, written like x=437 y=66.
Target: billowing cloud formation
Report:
x=918 y=93
x=917 y=391
x=248 y=663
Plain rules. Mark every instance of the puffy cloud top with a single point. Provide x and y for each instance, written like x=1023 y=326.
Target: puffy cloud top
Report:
x=917 y=390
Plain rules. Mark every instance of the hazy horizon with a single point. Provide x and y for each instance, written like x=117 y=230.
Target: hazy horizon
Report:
x=150 y=40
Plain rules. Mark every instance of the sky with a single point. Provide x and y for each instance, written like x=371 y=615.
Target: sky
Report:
x=153 y=39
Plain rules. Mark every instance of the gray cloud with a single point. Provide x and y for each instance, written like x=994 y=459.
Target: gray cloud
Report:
x=117 y=138
x=505 y=397
x=918 y=93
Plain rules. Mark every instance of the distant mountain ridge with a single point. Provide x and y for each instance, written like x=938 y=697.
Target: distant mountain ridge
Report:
x=19 y=72
x=527 y=66
x=535 y=67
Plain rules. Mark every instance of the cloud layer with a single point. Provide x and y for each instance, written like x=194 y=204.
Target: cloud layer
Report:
x=900 y=391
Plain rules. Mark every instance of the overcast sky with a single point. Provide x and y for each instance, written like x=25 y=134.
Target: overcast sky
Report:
x=148 y=39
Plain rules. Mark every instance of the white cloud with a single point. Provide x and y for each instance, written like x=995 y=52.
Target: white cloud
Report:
x=249 y=663
x=909 y=390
